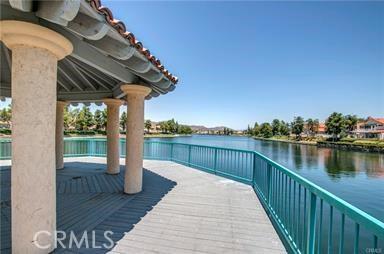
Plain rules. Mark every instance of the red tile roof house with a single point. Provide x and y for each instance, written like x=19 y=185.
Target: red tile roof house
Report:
x=320 y=132
x=371 y=128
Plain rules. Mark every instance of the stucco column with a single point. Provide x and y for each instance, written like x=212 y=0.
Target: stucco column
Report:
x=60 y=134
x=35 y=52
x=113 y=135
x=135 y=137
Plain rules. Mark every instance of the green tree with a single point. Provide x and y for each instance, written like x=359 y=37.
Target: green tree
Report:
x=123 y=120
x=172 y=126
x=249 y=131
x=84 y=119
x=297 y=126
x=256 y=129
x=185 y=129
x=6 y=114
x=284 y=128
x=148 y=125
x=309 y=126
x=351 y=122
x=177 y=127
x=164 y=127
x=100 y=118
x=336 y=125
x=266 y=130
x=73 y=115
x=227 y=131
x=276 y=127
x=312 y=126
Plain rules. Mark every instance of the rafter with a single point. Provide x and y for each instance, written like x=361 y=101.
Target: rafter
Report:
x=81 y=75
x=69 y=77
x=63 y=85
x=94 y=77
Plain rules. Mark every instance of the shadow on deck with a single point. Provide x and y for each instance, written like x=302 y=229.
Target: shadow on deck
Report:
x=90 y=200
x=180 y=210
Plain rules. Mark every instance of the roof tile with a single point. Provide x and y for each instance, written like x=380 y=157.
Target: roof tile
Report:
x=121 y=29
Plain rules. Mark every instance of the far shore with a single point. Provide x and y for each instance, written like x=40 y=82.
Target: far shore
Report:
x=302 y=142
x=359 y=145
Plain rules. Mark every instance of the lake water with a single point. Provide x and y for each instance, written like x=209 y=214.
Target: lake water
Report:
x=357 y=177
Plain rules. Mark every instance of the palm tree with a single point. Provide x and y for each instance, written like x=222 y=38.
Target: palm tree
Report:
x=148 y=125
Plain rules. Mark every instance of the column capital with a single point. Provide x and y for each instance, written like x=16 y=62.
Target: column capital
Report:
x=135 y=89
x=18 y=33
x=62 y=103
x=110 y=101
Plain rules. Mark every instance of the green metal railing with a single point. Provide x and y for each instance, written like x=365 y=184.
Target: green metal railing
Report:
x=308 y=218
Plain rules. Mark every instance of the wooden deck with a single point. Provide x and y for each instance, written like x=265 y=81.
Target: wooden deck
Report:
x=180 y=210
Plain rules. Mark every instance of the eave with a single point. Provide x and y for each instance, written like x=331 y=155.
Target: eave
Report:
x=103 y=58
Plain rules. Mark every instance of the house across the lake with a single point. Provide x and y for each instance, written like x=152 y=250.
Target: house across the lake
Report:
x=371 y=128
x=322 y=129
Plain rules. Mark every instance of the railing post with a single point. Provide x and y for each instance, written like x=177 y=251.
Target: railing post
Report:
x=254 y=170
x=189 y=155
x=171 y=152
x=215 y=161
x=269 y=183
x=311 y=225
x=91 y=147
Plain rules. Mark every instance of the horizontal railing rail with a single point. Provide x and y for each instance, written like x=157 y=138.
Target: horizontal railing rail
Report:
x=308 y=218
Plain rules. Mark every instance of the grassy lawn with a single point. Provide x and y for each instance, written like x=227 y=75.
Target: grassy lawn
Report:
x=315 y=140
x=291 y=139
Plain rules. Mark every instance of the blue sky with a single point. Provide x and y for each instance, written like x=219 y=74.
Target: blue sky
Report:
x=240 y=62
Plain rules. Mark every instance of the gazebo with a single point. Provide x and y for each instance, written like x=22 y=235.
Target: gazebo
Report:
x=59 y=52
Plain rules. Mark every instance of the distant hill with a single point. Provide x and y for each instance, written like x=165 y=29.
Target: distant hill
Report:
x=200 y=128
x=203 y=128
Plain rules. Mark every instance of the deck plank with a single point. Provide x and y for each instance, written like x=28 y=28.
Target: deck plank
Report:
x=180 y=210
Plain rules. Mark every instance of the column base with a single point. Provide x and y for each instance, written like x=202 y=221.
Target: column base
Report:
x=112 y=173
x=133 y=193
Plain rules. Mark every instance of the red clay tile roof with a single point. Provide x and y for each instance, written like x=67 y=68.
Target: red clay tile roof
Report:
x=381 y=120
x=322 y=127
x=120 y=27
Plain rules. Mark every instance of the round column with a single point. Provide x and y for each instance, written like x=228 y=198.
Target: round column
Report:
x=60 y=134
x=35 y=52
x=135 y=137
x=113 y=135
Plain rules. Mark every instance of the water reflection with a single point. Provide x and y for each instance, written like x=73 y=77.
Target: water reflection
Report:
x=338 y=164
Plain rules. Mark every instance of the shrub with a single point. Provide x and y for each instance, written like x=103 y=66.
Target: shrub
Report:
x=77 y=132
x=366 y=142
x=101 y=132
x=6 y=131
x=348 y=140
